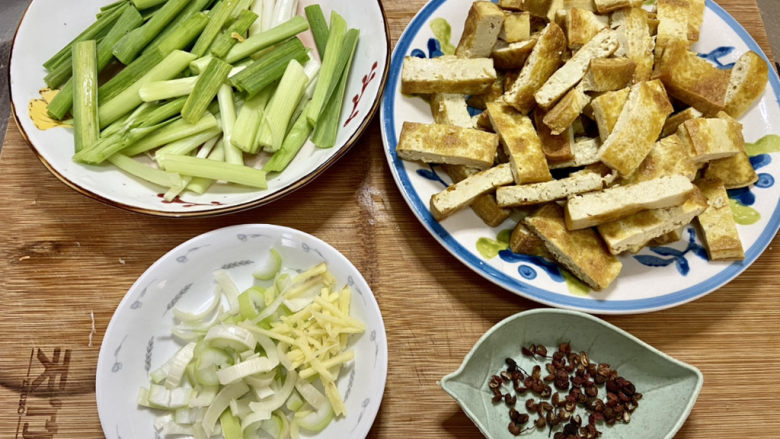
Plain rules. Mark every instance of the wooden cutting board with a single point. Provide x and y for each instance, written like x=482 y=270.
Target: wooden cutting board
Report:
x=66 y=261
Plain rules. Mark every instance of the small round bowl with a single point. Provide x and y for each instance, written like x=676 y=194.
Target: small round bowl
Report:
x=48 y=24
x=138 y=338
x=669 y=387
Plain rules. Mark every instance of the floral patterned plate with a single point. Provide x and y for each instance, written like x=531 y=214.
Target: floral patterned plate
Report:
x=655 y=279
x=47 y=23
x=138 y=338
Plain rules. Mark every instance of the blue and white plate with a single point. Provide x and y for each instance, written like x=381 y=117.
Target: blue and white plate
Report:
x=138 y=338
x=655 y=279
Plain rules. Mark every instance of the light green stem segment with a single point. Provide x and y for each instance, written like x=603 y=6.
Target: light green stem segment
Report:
x=326 y=131
x=227 y=39
x=276 y=118
x=227 y=112
x=172 y=88
x=270 y=37
x=294 y=141
x=218 y=18
x=206 y=168
x=205 y=90
x=319 y=27
x=332 y=65
x=129 y=20
x=177 y=130
x=85 y=110
x=128 y=48
x=128 y=99
x=145 y=172
x=248 y=122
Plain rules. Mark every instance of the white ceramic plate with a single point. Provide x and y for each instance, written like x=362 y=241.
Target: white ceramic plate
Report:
x=138 y=338
x=48 y=24
x=656 y=279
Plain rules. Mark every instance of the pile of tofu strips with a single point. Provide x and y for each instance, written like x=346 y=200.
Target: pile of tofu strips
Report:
x=607 y=89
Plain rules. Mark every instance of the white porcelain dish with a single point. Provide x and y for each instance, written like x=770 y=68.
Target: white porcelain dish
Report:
x=48 y=24
x=138 y=338
x=653 y=280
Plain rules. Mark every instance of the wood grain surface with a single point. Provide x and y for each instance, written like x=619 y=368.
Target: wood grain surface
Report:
x=64 y=257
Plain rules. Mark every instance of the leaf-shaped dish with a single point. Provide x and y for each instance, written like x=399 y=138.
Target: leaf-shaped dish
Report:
x=670 y=387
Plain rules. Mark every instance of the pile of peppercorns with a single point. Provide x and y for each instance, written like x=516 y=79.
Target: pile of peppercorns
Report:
x=568 y=371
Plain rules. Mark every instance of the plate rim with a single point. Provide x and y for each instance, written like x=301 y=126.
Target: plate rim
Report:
x=517 y=286
x=103 y=354
x=206 y=213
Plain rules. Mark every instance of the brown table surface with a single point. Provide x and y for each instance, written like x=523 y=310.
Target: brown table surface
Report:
x=64 y=256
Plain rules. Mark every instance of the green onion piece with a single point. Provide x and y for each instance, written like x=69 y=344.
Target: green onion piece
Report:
x=128 y=48
x=271 y=67
x=332 y=65
x=200 y=185
x=231 y=426
x=294 y=141
x=128 y=99
x=129 y=20
x=110 y=145
x=226 y=40
x=129 y=75
x=270 y=37
x=276 y=118
x=177 y=130
x=327 y=128
x=319 y=27
x=203 y=152
x=85 y=110
x=227 y=113
x=193 y=8
x=188 y=144
x=172 y=88
x=95 y=31
x=257 y=26
x=248 y=121
x=182 y=35
x=145 y=172
x=206 y=88
x=146 y=4
x=218 y=18
x=206 y=168
x=110 y=7
x=161 y=112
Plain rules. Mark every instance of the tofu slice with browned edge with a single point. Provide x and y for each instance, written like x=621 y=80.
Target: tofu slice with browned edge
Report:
x=520 y=142
x=582 y=252
x=638 y=127
x=717 y=225
x=437 y=143
x=611 y=204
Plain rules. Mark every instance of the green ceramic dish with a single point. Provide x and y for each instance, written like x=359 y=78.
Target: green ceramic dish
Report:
x=670 y=387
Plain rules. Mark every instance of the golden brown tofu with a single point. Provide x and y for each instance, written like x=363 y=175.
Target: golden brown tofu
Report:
x=517 y=27
x=691 y=79
x=582 y=251
x=544 y=60
x=670 y=156
x=447 y=144
x=637 y=129
x=481 y=30
x=485 y=205
x=464 y=192
x=630 y=233
x=638 y=42
x=561 y=117
x=608 y=74
x=735 y=172
x=674 y=121
x=512 y=56
x=607 y=109
x=747 y=83
x=605 y=6
x=719 y=230
x=711 y=139
x=447 y=74
x=520 y=142
x=582 y=25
